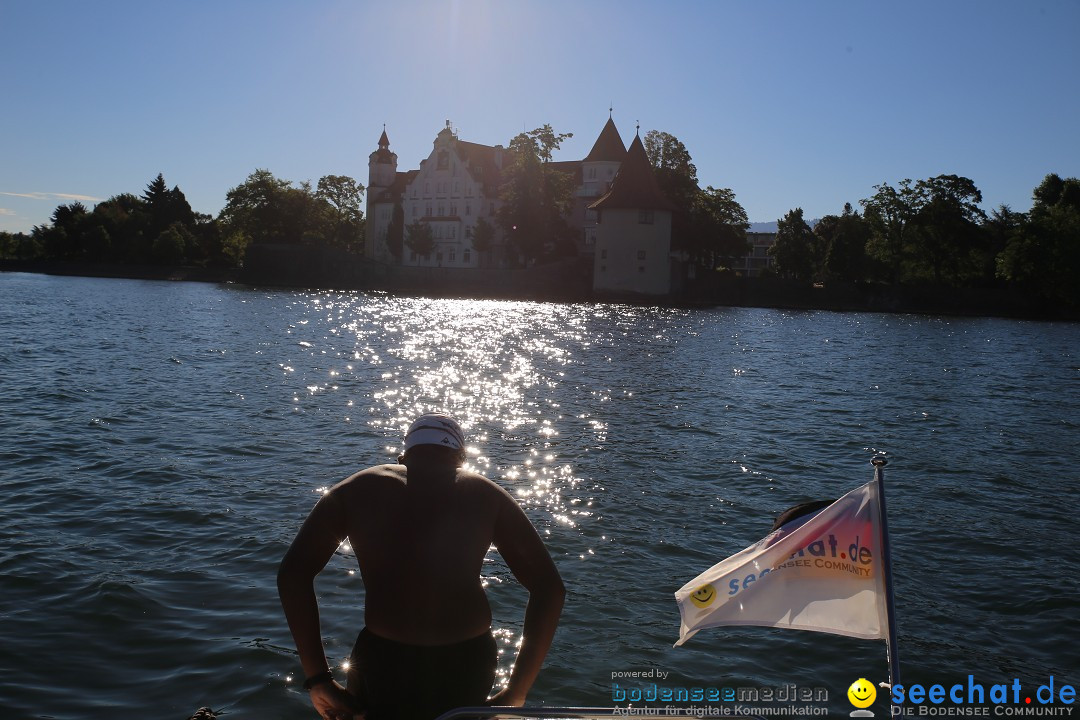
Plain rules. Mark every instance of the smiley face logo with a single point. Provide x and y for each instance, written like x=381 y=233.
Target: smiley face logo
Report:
x=862 y=693
x=703 y=596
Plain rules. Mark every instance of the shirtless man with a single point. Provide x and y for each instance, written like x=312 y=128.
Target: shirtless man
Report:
x=420 y=531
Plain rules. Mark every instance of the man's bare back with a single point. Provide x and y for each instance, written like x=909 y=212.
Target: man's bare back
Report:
x=420 y=531
x=420 y=535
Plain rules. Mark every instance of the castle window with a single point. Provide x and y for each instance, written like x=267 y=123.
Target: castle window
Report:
x=453 y=209
x=645 y=217
x=427 y=211
x=442 y=211
x=466 y=257
x=452 y=256
x=453 y=231
x=468 y=209
x=592 y=173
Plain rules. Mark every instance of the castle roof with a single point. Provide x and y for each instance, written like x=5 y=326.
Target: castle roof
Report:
x=397 y=189
x=609 y=146
x=634 y=186
x=569 y=167
x=383 y=156
x=485 y=162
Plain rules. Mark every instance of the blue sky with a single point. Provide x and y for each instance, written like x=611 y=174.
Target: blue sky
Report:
x=790 y=104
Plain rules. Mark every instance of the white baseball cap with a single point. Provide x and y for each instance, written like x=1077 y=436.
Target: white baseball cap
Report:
x=435 y=429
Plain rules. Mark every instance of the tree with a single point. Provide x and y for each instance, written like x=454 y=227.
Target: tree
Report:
x=157 y=192
x=842 y=239
x=483 y=239
x=927 y=230
x=165 y=206
x=708 y=224
x=947 y=243
x=258 y=208
x=234 y=247
x=170 y=247
x=536 y=197
x=1042 y=253
x=395 y=231
x=673 y=167
x=793 y=249
x=19 y=246
x=127 y=219
x=718 y=228
x=346 y=197
x=419 y=238
x=888 y=213
x=63 y=240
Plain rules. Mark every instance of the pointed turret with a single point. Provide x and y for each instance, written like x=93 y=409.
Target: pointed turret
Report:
x=382 y=165
x=635 y=185
x=609 y=146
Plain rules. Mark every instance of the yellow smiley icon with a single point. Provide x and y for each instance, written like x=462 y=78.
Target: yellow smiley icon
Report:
x=862 y=693
x=703 y=596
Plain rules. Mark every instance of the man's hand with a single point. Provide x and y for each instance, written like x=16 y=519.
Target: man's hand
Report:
x=334 y=702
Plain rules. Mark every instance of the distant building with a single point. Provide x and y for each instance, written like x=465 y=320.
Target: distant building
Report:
x=759 y=260
x=620 y=215
x=633 y=230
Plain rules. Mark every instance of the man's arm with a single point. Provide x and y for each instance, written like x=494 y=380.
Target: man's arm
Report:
x=314 y=545
x=524 y=552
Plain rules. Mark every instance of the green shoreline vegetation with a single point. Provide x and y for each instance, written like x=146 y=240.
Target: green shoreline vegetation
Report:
x=912 y=247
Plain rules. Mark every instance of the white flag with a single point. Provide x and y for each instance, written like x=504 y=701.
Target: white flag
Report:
x=823 y=572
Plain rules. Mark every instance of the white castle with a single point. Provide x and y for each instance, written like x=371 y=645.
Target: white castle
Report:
x=622 y=218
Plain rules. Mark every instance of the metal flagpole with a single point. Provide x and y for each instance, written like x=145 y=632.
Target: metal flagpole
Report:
x=879 y=462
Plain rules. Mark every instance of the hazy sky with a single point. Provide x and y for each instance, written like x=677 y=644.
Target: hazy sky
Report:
x=790 y=104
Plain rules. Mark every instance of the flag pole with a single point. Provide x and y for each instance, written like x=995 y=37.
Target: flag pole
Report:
x=879 y=462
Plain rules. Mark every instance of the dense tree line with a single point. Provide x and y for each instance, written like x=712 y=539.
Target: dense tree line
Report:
x=159 y=226
x=932 y=232
x=709 y=225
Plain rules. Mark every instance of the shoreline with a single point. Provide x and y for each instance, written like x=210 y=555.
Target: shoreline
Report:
x=566 y=282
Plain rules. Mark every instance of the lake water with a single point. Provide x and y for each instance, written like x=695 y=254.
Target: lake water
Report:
x=161 y=442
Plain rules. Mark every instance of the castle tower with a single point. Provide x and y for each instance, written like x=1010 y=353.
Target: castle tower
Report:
x=382 y=165
x=633 y=239
x=382 y=174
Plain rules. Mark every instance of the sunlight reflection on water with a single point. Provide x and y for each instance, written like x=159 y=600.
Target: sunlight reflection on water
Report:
x=164 y=441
